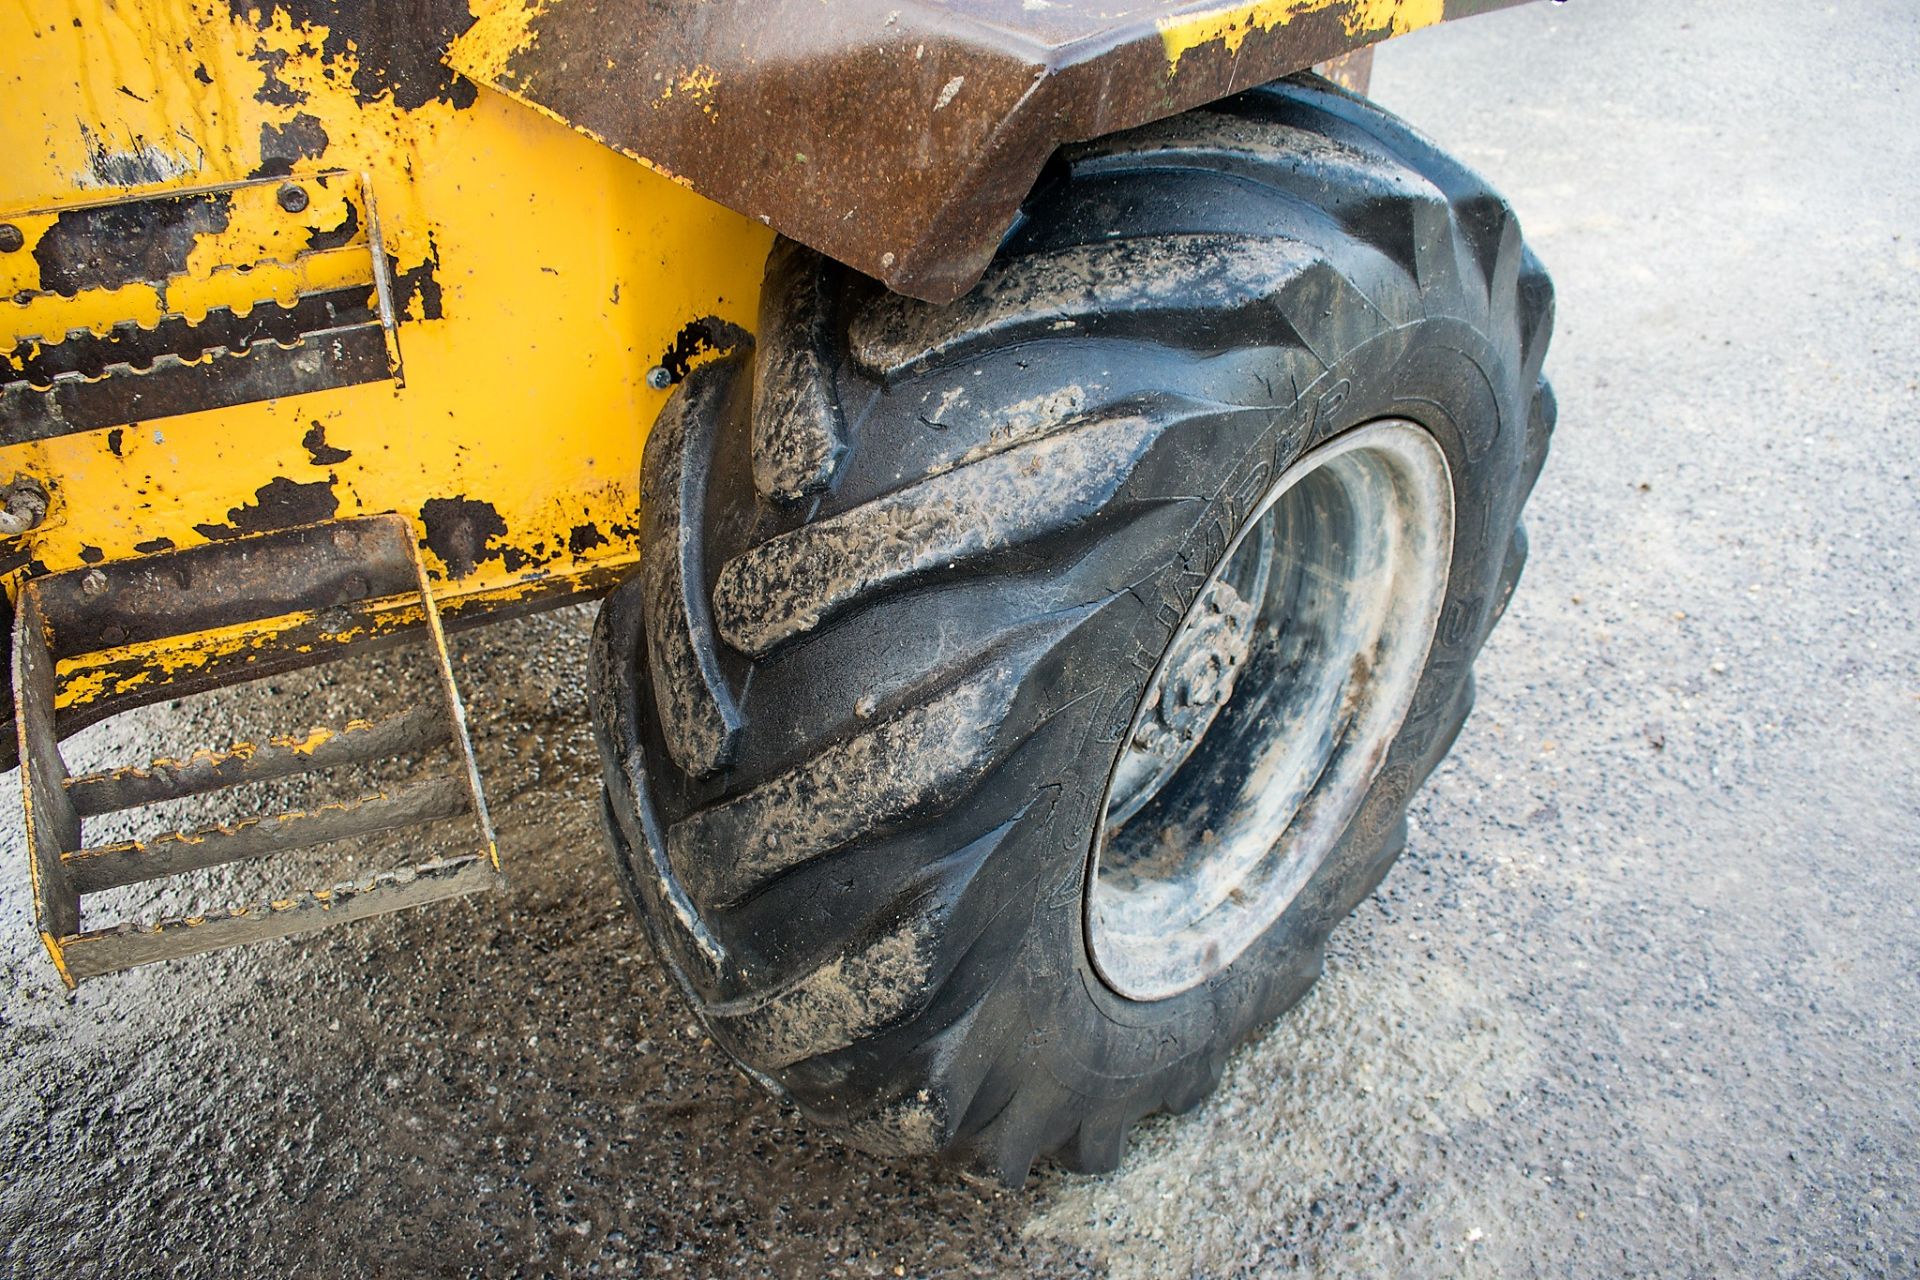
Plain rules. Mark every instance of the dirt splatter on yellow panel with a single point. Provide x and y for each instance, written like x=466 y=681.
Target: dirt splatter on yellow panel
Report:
x=539 y=276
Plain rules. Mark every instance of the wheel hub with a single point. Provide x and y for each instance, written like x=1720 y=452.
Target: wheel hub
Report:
x=1201 y=668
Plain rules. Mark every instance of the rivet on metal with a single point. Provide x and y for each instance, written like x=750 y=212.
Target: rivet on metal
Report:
x=293 y=197
x=94 y=583
x=11 y=241
x=658 y=378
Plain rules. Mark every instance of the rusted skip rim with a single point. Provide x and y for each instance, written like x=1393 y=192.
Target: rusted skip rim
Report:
x=897 y=136
x=1269 y=717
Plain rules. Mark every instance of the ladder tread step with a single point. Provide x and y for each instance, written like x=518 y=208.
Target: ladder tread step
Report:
x=128 y=862
x=358 y=742
x=122 y=946
x=354 y=584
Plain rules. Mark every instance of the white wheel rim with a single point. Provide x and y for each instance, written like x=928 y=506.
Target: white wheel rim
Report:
x=1214 y=818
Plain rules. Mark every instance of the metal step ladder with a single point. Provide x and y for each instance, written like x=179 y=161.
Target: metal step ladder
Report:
x=345 y=584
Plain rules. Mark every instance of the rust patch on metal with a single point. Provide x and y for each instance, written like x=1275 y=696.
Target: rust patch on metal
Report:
x=106 y=246
x=339 y=234
x=283 y=146
x=319 y=451
x=416 y=290
x=1351 y=71
x=275 y=91
x=461 y=532
x=278 y=504
x=699 y=337
x=583 y=538
x=393 y=50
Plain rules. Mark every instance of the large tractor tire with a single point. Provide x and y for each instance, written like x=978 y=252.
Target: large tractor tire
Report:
x=1016 y=693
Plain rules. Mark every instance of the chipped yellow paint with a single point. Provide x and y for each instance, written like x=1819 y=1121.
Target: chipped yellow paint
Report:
x=504 y=28
x=696 y=85
x=1230 y=25
x=564 y=273
x=306 y=743
x=300 y=743
x=86 y=678
x=84 y=685
x=59 y=957
x=43 y=316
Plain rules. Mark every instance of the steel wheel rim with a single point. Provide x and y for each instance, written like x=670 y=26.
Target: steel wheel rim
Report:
x=1213 y=819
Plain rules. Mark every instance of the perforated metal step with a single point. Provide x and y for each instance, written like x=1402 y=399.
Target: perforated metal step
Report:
x=71 y=627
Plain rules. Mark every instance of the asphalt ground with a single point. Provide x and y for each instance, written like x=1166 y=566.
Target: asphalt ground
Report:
x=1639 y=1000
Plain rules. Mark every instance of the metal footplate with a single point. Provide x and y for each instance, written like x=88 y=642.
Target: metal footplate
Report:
x=70 y=627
